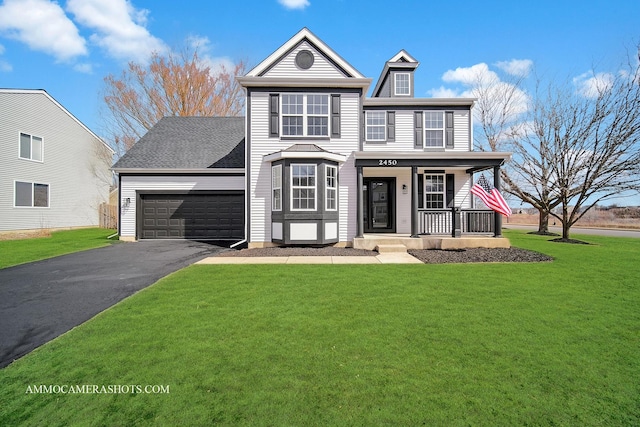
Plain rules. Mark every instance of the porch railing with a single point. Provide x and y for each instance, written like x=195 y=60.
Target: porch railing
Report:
x=455 y=221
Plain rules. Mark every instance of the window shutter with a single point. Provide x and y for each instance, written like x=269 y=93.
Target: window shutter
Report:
x=335 y=115
x=391 y=126
x=449 y=189
x=274 y=114
x=418 y=129
x=448 y=129
x=420 y=191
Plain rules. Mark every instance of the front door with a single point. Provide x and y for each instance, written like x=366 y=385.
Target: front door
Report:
x=379 y=205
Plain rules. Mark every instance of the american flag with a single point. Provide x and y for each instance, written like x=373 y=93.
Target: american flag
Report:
x=490 y=196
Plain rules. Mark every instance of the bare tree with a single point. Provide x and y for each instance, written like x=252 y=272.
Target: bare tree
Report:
x=172 y=85
x=500 y=103
x=581 y=146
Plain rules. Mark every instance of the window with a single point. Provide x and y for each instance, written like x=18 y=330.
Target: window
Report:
x=30 y=194
x=434 y=191
x=292 y=114
x=331 y=202
x=276 y=188
x=402 y=84
x=376 y=125
x=305 y=115
x=303 y=187
x=31 y=147
x=433 y=129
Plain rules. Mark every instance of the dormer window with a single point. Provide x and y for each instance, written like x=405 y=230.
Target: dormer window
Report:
x=402 y=84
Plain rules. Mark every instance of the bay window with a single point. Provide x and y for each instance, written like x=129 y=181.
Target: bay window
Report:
x=303 y=187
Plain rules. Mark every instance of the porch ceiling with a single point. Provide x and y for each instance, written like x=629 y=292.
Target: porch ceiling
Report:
x=472 y=161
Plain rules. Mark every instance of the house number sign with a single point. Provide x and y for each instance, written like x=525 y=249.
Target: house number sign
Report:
x=387 y=162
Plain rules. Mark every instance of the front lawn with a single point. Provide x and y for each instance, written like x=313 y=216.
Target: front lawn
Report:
x=16 y=252
x=328 y=345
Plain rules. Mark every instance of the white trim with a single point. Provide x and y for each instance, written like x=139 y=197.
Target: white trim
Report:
x=305 y=115
x=419 y=102
x=444 y=190
x=31 y=136
x=291 y=43
x=402 y=54
x=169 y=171
x=367 y=126
x=359 y=83
x=292 y=187
x=32 y=190
x=426 y=129
x=426 y=155
x=323 y=155
x=275 y=168
x=395 y=84
x=327 y=188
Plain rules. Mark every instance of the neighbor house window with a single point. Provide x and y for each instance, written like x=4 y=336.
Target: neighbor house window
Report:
x=305 y=115
x=376 y=124
x=276 y=188
x=31 y=194
x=402 y=84
x=434 y=191
x=31 y=147
x=331 y=202
x=303 y=187
x=433 y=129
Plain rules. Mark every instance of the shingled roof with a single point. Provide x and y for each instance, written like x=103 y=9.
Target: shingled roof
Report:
x=189 y=143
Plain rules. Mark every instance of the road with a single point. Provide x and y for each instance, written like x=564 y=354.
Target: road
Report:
x=611 y=232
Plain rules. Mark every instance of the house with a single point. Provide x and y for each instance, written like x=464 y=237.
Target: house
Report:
x=324 y=163
x=54 y=171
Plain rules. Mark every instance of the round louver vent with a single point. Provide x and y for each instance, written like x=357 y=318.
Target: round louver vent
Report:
x=304 y=59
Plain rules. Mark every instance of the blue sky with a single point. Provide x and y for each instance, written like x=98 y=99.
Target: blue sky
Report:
x=67 y=47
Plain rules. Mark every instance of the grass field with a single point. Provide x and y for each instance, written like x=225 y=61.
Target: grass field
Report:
x=16 y=252
x=330 y=345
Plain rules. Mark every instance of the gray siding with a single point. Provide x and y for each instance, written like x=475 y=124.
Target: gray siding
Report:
x=75 y=165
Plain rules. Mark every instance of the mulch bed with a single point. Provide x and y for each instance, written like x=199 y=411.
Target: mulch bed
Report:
x=430 y=256
x=479 y=255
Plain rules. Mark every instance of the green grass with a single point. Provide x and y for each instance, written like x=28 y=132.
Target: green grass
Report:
x=16 y=252
x=330 y=345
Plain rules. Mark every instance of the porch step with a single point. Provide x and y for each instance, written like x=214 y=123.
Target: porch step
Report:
x=391 y=248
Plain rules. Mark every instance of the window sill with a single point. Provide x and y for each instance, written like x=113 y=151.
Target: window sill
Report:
x=305 y=138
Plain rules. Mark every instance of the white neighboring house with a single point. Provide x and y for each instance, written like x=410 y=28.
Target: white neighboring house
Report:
x=54 y=171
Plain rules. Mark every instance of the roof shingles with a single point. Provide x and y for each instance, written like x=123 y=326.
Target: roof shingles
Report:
x=189 y=143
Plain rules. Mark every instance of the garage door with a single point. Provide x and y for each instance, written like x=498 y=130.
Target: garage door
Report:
x=218 y=216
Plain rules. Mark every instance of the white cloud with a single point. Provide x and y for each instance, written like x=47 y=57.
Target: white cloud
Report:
x=443 y=92
x=516 y=67
x=294 y=4
x=120 y=28
x=590 y=85
x=43 y=26
x=484 y=84
x=470 y=76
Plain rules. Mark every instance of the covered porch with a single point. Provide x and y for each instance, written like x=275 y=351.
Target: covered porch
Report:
x=454 y=224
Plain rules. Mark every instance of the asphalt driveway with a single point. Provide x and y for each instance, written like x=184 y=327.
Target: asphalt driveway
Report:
x=41 y=300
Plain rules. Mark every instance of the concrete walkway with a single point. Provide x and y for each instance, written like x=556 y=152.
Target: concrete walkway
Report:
x=387 y=258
